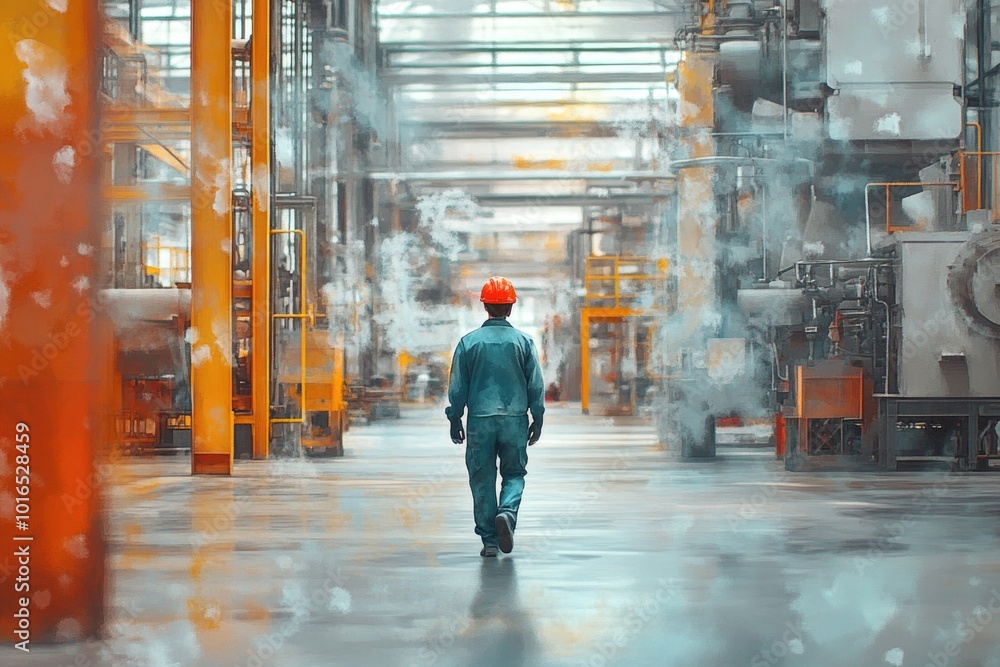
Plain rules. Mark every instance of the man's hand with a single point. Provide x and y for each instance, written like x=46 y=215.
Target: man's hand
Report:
x=457 y=433
x=535 y=431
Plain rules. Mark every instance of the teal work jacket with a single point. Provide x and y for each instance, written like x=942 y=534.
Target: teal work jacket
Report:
x=495 y=371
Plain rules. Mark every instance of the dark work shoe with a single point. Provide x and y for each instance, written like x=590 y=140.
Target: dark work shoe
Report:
x=505 y=534
x=489 y=551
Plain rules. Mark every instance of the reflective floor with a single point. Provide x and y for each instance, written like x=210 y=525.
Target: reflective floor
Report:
x=622 y=556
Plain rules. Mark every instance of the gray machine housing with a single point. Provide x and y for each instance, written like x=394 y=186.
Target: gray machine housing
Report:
x=947 y=350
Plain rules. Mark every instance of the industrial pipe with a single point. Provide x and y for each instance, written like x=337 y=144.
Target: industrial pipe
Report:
x=260 y=158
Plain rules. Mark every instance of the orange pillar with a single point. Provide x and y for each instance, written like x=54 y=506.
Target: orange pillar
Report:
x=260 y=154
x=211 y=238
x=585 y=361
x=51 y=540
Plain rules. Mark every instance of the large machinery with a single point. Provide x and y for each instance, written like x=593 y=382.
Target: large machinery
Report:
x=900 y=355
x=836 y=238
x=223 y=254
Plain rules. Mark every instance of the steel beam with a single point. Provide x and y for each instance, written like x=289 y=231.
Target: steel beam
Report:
x=569 y=27
x=138 y=125
x=53 y=405
x=405 y=66
x=260 y=158
x=211 y=239
x=521 y=175
x=461 y=78
x=520 y=47
x=146 y=116
x=584 y=99
x=150 y=192
x=543 y=200
x=510 y=128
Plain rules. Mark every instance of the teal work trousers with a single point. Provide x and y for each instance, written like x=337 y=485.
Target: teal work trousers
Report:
x=491 y=438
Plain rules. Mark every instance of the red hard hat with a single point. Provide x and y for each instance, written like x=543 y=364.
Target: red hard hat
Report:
x=498 y=290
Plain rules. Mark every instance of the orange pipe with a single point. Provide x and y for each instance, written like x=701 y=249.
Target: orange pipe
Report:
x=53 y=569
x=260 y=158
x=211 y=238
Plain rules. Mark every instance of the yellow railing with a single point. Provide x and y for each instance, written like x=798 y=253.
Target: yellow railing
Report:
x=305 y=313
x=626 y=282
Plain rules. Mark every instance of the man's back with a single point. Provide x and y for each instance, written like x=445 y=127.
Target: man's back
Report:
x=495 y=371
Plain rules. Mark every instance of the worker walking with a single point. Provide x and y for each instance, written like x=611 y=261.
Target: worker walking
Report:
x=496 y=375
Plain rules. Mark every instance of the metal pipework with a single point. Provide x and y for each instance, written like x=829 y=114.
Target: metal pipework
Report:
x=888 y=329
x=784 y=68
x=126 y=307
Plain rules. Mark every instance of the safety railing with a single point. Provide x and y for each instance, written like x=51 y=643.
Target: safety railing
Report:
x=889 y=227
x=969 y=186
x=626 y=282
x=302 y=316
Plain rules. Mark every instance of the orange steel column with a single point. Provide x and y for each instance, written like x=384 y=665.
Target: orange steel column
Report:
x=52 y=567
x=585 y=360
x=696 y=211
x=211 y=238
x=260 y=158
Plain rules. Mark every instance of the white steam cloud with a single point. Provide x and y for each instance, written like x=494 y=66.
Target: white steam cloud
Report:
x=63 y=163
x=407 y=322
x=46 y=76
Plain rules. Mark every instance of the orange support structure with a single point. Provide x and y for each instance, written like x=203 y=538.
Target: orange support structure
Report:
x=211 y=238
x=260 y=110
x=52 y=566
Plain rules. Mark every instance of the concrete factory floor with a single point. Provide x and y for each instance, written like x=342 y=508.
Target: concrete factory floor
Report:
x=622 y=556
